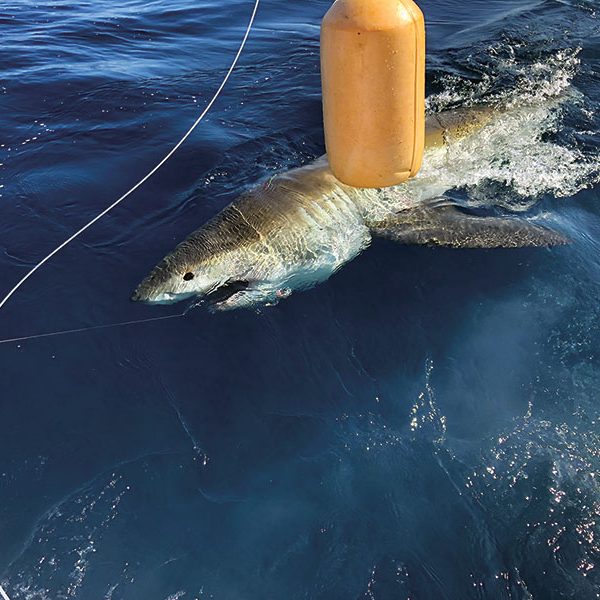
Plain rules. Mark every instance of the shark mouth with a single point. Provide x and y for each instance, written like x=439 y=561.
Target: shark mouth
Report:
x=221 y=294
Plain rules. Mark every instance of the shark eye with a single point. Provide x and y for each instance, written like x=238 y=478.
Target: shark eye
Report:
x=188 y=276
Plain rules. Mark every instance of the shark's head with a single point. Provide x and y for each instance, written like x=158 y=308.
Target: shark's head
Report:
x=199 y=269
x=191 y=270
x=170 y=282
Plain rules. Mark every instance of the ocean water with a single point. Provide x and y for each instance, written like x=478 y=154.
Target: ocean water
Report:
x=424 y=425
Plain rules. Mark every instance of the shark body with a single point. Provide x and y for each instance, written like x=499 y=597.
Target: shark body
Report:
x=299 y=227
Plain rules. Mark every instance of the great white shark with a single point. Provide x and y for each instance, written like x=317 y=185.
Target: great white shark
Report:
x=299 y=227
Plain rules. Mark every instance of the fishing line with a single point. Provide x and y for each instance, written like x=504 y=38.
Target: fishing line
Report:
x=152 y=172
x=3 y=594
x=90 y=328
x=36 y=336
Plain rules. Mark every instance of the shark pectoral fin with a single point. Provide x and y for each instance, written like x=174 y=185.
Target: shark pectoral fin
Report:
x=454 y=228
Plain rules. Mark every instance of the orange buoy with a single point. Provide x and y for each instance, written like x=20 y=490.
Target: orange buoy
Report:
x=373 y=72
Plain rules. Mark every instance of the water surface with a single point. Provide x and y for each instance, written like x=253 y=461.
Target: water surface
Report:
x=423 y=426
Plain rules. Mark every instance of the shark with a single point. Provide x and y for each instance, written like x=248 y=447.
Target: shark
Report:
x=297 y=228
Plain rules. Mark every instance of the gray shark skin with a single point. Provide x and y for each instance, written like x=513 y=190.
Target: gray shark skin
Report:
x=299 y=227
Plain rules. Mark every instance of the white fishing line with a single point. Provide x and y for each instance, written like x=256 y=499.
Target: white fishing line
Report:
x=3 y=594
x=152 y=172
x=37 y=336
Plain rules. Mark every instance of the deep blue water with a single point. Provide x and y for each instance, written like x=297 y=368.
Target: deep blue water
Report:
x=425 y=425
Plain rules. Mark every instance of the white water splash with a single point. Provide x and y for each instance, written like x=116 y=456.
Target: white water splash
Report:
x=514 y=160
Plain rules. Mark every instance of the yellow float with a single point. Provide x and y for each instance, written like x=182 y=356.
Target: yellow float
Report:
x=373 y=72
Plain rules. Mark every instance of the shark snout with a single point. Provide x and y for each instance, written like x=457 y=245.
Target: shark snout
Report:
x=146 y=291
x=149 y=295
x=156 y=287
x=141 y=294
x=137 y=296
